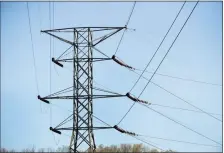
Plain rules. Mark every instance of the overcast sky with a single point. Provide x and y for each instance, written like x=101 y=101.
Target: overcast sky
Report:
x=197 y=54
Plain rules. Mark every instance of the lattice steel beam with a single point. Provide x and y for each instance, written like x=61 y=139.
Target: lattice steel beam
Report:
x=82 y=96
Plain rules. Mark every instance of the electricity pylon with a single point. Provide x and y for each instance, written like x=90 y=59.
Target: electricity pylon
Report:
x=84 y=46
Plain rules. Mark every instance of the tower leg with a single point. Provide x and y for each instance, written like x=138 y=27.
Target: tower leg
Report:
x=82 y=81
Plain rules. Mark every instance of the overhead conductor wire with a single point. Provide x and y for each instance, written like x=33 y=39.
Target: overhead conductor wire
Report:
x=126 y=27
x=50 y=62
x=50 y=72
x=53 y=38
x=200 y=110
x=183 y=79
x=34 y=60
x=151 y=60
x=179 y=141
x=154 y=74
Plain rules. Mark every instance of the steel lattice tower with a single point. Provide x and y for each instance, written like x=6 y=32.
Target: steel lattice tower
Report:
x=84 y=44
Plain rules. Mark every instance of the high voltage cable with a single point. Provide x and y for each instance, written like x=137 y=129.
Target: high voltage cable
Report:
x=150 y=62
x=183 y=109
x=162 y=113
x=125 y=28
x=53 y=37
x=146 y=142
x=165 y=106
x=180 y=141
x=50 y=61
x=53 y=25
x=31 y=38
x=163 y=58
x=130 y=13
x=186 y=101
x=202 y=111
x=40 y=18
x=165 y=75
x=184 y=79
x=181 y=124
x=159 y=46
x=50 y=74
x=34 y=61
x=168 y=49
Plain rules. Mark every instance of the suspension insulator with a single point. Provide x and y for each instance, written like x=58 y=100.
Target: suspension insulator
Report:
x=132 y=98
x=56 y=62
x=123 y=131
x=42 y=99
x=119 y=129
x=54 y=130
x=117 y=61
x=136 y=99
x=131 y=133
x=121 y=63
x=143 y=101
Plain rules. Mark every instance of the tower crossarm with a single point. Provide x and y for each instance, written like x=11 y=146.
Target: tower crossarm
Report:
x=82 y=97
x=83 y=59
x=84 y=128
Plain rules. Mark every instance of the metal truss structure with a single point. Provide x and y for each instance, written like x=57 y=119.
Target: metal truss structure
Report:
x=83 y=44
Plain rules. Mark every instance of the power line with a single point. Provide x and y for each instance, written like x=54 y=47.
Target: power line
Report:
x=180 y=141
x=165 y=115
x=31 y=38
x=50 y=73
x=125 y=28
x=150 y=62
x=40 y=18
x=184 y=79
x=162 y=59
x=181 y=124
x=50 y=61
x=200 y=110
x=168 y=49
x=165 y=106
x=146 y=142
x=158 y=47
x=186 y=101
x=52 y=26
x=183 y=109
x=34 y=61
x=131 y=13
x=53 y=37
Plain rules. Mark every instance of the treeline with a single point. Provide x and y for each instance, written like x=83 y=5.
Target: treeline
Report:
x=100 y=148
